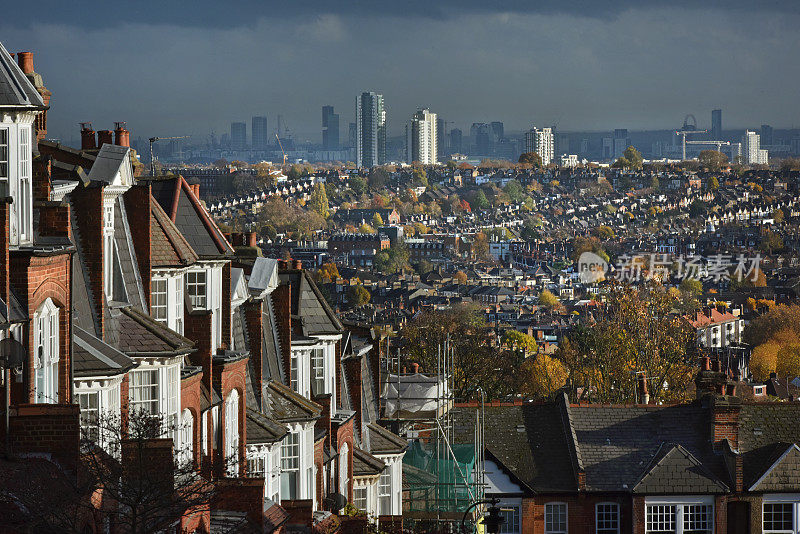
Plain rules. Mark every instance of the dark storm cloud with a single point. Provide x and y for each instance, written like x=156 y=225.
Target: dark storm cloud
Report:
x=173 y=68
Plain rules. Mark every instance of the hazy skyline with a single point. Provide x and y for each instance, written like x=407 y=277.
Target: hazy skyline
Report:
x=171 y=69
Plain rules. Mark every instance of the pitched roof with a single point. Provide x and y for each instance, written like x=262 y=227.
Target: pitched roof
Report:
x=168 y=246
x=765 y=431
x=284 y=405
x=364 y=464
x=316 y=315
x=261 y=429
x=783 y=474
x=382 y=441
x=16 y=90
x=93 y=357
x=139 y=335
x=674 y=470
x=190 y=217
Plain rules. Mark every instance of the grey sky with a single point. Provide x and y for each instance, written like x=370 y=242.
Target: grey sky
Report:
x=192 y=67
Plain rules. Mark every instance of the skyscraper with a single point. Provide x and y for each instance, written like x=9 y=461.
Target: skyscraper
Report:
x=371 y=130
x=330 y=128
x=238 y=135
x=716 y=124
x=259 y=133
x=456 y=136
x=422 y=138
x=752 y=152
x=441 y=138
x=481 y=138
x=498 y=131
x=767 y=138
x=352 y=131
x=541 y=142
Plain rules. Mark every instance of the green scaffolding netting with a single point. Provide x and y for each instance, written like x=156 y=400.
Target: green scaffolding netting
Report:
x=436 y=479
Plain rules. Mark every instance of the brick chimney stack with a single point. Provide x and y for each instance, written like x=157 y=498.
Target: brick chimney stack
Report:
x=25 y=61
x=103 y=137
x=88 y=139
x=122 y=136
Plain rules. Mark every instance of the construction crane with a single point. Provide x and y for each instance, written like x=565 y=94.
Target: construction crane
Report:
x=282 y=150
x=684 y=133
x=152 y=158
x=717 y=144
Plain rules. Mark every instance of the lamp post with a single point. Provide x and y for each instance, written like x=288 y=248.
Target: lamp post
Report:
x=492 y=520
x=12 y=355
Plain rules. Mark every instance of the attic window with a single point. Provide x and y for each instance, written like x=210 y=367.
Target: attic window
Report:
x=3 y=153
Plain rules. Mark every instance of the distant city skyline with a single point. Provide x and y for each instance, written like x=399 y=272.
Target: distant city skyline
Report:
x=638 y=65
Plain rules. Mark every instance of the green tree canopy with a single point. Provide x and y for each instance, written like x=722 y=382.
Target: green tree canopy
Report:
x=713 y=160
x=530 y=158
x=319 y=200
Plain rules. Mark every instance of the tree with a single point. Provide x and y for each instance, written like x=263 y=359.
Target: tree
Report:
x=654 y=183
x=788 y=361
x=778 y=216
x=327 y=272
x=377 y=220
x=636 y=334
x=520 y=341
x=634 y=157
x=622 y=163
x=713 y=183
x=357 y=295
x=289 y=219
x=548 y=300
x=479 y=200
x=480 y=246
x=366 y=229
x=542 y=377
x=357 y=184
x=474 y=360
x=692 y=287
x=460 y=277
x=763 y=360
x=514 y=190
x=713 y=160
x=144 y=492
x=378 y=178
x=419 y=176
x=393 y=259
x=531 y=158
x=779 y=318
x=319 y=200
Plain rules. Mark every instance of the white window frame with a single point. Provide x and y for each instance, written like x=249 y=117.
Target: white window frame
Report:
x=145 y=396
x=159 y=301
x=344 y=469
x=163 y=400
x=791 y=499
x=318 y=373
x=108 y=248
x=5 y=154
x=186 y=451
x=294 y=371
x=197 y=289
x=90 y=415
x=232 y=433
x=46 y=353
x=548 y=525
x=24 y=213
x=290 y=464
x=385 y=491
x=360 y=498
x=177 y=323
x=606 y=508
x=681 y=506
x=513 y=512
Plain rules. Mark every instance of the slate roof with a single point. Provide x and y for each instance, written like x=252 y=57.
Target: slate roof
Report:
x=16 y=90
x=93 y=357
x=674 y=470
x=382 y=441
x=783 y=474
x=316 y=316
x=263 y=430
x=139 y=335
x=365 y=465
x=190 y=217
x=765 y=431
x=284 y=405
x=168 y=246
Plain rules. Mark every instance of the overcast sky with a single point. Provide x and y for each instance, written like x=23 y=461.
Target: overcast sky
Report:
x=173 y=68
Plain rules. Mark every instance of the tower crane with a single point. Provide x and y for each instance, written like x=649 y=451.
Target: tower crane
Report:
x=717 y=144
x=153 y=140
x=684 y=133
x=282 y=150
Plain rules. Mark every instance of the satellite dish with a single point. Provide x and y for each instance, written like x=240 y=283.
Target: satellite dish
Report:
x=336 y=500
x=12 y=353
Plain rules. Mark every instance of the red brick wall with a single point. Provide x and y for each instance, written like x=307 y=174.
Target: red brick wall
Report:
x=318 y=458
x=42 y=167
x=254 y=323
x=725 y=422
x=37 y=278
x=580 y=512
x=137 y=209
x=54 y=219
x=229 y=377
x=197 y=327
x=46 y=428
x=88 y=203
x=242 y=495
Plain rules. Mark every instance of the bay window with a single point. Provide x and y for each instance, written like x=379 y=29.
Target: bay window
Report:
x=555 y=518
x=46 y=353
x=154 y=392
x=256 y=466
x=385 y=491
x=178 y=306
x=318 y=371
x=89 y=403
x=108 y=248
x=196 y=289
x=607 y=518
x=158 y=300
x=186 y=451
x=144 y=391
x=780 y=514
x=290 y=465
x=24 y=212
x=679 y=517
x=360 y=498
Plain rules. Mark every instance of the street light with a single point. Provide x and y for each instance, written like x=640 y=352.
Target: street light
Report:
x=12 y=356
x=492 y=520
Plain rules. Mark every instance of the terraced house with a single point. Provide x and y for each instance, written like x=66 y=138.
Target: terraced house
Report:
x=123 y=301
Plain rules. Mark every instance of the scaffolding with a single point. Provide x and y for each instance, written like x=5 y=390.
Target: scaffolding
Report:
x=443 y=468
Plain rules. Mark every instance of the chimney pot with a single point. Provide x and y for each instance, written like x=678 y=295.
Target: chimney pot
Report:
x=706 y=363
x=297 y=264
x=121 y=134
x=415 y=368
x=251 y=239
x=88 y=139
x=25 y=61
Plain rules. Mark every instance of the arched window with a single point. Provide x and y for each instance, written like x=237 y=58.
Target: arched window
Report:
x=344 y=469
x=46 y=353
x=186 y=451
x=232 y=433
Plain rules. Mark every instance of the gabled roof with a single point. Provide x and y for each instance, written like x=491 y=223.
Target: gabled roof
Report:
x=366 y=465
x=190 y=217
x=284 y=405
x=783 y=474
x=140 y=335
x=168 y=246
x=263 y=430
x=16 y=90
x=316 y=315
x=93 y=357
x=382 y=441
x=674 y=470
x=113 y=166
